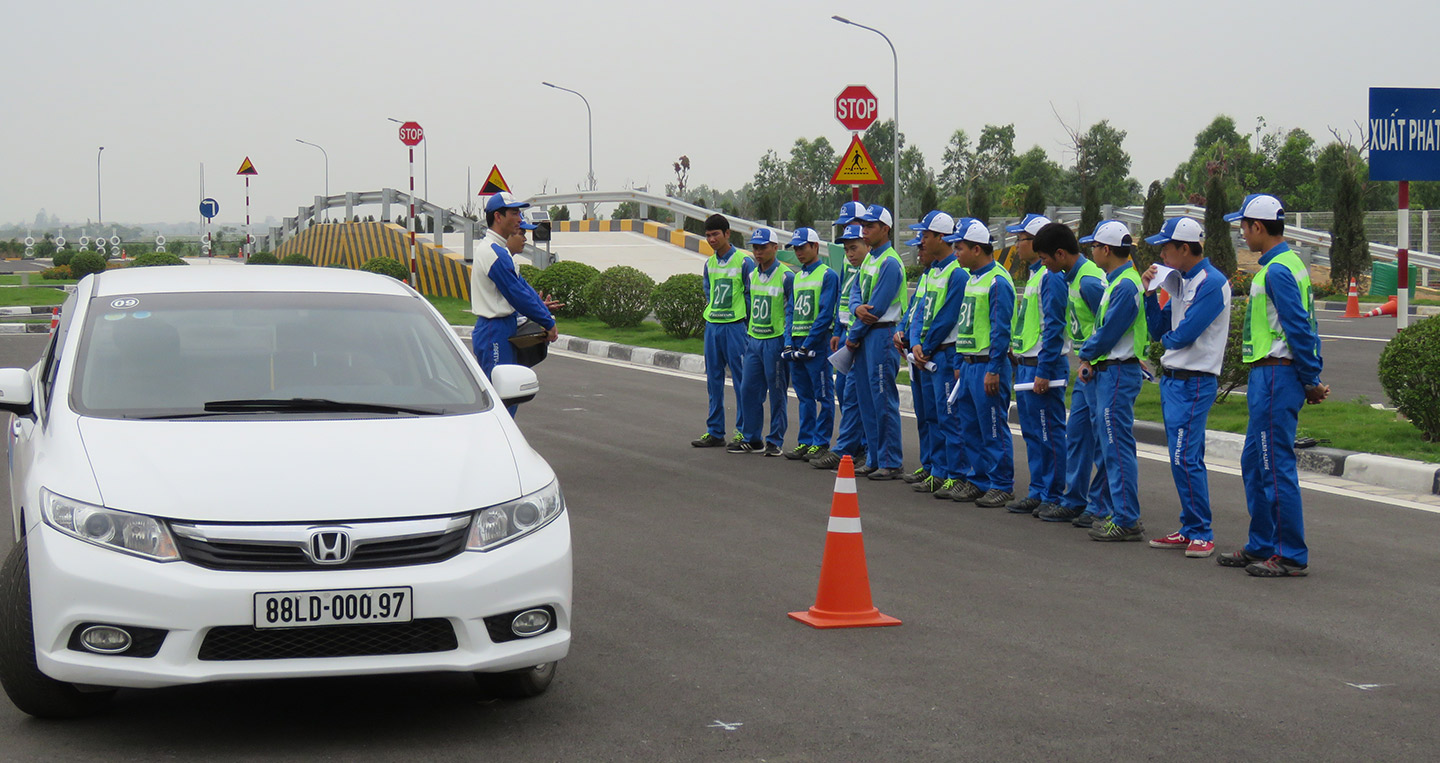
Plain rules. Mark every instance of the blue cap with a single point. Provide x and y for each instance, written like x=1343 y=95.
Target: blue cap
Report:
x=852 y=232
x=850 y=212
x=1031 y=224
x=877 y=214
x=971 y=230
x=763 y=236
x=804 y=236
x=1259 y=206
x=503 y=200
x=1182 y=229
x=1109 y=233
x=936 y=221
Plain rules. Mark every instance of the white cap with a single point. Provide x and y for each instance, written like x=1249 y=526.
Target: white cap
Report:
x=972 y=230
x=1258 y=206
x=1109 y=233
x=1181 y=229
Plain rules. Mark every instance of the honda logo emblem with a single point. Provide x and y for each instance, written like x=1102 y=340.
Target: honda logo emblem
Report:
x=329 y=546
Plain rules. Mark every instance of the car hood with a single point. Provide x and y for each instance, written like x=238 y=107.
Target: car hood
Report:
x=304 y=470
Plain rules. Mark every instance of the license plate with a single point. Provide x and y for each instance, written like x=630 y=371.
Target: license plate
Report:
x=352 y=606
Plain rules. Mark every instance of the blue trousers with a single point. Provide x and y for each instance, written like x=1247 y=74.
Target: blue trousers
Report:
x=765 y=374
x=817 y=398
x=1267 y=464
x=491 y=341
x=1185 y=404
x=1042 y=424
x=984 y=424
x=1081 y=447
x=851 y=437
x=1116 y=388
x=947 y=438
x=724 y=347
x=925 y=413
x=876 y=366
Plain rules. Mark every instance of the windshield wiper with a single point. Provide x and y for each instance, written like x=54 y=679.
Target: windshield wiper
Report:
x=310 y=405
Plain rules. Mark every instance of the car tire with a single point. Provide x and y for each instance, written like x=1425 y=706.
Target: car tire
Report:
x=32 y=691
x=518 y=684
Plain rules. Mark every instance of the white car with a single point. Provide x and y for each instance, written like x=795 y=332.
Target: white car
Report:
x=223 y=473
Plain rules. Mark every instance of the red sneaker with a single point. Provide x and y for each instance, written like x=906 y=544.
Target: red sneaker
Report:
x=1199 y=549
x=1173 y=540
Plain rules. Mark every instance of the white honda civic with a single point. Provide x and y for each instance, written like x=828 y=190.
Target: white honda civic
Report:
x=223 y=473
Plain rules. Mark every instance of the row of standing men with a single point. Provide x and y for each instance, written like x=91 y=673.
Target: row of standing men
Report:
x=969 y=341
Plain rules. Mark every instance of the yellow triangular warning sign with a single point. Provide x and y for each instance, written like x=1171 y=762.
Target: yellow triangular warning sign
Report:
x=856 y=167
x=247 y=168
x=494 y=182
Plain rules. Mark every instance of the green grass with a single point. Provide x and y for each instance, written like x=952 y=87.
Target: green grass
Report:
x=35 y=280
x=32 y=295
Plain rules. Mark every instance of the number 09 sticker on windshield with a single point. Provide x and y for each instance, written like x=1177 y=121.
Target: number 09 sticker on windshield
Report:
x=353 y=606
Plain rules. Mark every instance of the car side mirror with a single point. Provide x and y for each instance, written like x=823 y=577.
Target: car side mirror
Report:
x=17 y=391
x=514 y=384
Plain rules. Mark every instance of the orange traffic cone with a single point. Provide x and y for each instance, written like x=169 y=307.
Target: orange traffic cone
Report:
x=1352 y=304
x=1391 y=307
x=843 y=600
x=54 y=319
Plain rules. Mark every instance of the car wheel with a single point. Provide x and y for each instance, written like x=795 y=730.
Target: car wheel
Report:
x=30 y=690
x=518 y=684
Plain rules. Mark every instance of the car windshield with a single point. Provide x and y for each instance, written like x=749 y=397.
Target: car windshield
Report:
x=229 y=354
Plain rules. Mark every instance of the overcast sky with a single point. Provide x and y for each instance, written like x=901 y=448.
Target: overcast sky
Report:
x=167 y=85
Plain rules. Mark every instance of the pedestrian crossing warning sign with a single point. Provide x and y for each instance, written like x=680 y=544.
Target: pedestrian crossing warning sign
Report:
x=247 y=168
x=856 y=167
x=494 y=182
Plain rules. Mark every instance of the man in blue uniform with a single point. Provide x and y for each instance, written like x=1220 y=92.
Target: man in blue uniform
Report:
x=766 y=373
x=817 y=291
x=932 y=229
x=878 y=299
x=1193 y=326
x=497 y=292
x=850 y=440
x=1037 y=339
x=982 y=344
x=1283 y=350
x=725 y=277
x=933 y=334
x=1110 y=359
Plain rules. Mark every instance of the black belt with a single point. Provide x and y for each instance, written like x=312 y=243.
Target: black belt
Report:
x=889 y=324
x=945 y=346
x=1270 y=362
x=975 y=358
x=1181 y=373
x=1104 y=364
x=1028 y=361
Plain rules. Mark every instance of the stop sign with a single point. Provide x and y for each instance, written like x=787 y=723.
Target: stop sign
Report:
x=411 y=133
x=856 y=107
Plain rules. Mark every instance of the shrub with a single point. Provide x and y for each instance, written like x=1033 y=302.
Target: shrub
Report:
x=60 y=273
x=530 y=273
x=1240 y=284
x=1409 y=371
x=620 y=296
x=297 y=259
x=85 y=263
x=679 y=303
x=263 y=258
x=565 y=282
x=341 y=265
x=155 y=259
x=388 y=266
x=63 y=258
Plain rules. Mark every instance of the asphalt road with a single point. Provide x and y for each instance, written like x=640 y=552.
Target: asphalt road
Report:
x=1351 y=348
x=1021 y=640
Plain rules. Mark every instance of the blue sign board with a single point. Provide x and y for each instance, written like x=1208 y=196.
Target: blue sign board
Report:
x=1404 y=133
x=209 y=208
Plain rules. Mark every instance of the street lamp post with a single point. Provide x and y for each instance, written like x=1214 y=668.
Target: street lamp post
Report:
x=589 y=129
x=425 y=160
x=99 y=195
x=327 y=173
x=896 y=147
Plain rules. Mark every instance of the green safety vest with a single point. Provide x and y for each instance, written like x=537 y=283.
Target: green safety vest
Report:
x=937 y=286
x=847 y=279
x=1139 y=334
x=727 y=293
x=1261 y=335
x=807 y=288
x=972 y=333
x=1025 y=325
x=1079 y=321
x=870 y=271
x=767 y=302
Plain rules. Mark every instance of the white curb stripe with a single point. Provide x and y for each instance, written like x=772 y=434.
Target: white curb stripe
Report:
x=845 y=485
x=845 y=525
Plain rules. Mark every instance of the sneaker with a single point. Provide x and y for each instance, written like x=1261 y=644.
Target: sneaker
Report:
x=1198 y=549
x=994 y=499
x=815 y=452
x=1087 y=520
x=943 y=492
x=1058 y=513
x=1277 y=567
x=1023 y=505
x=965 y=492
x=864 y=470
x=918 y=475
x=1113 y=532
x=708 y=440
x=772 y=450
x=930 y=484
x=1173 y=541
x=889 y=473
x=738 y=437
x=829 y=460
x=797 y=453
x=1241 y=558
x=741 y=446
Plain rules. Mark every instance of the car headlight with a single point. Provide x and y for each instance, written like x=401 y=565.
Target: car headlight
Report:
x=116 y=530
x=501 y=524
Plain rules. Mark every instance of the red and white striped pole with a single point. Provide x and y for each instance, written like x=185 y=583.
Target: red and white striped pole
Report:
x=413 y=253
x=246 y=251
x=1402 y=259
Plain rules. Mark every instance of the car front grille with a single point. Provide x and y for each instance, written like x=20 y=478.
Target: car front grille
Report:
x=242 y=642
x=219 y=547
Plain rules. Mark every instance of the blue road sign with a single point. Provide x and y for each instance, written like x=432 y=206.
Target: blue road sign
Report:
x=209 y=208
x=1404 y=133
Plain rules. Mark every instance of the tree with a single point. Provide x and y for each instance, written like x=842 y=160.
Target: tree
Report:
x=878 y=141
x=1217 y=232
x=915 y=177
x=980 y=203
x=955 y=164
x=682 y=175
x=1349 y=246
x=801 y=216
x=560 y=213
x=1103 y=162
x=810 y=167
x=1153 y=220
x=1089 y=210
x=1035 y=169
x=1034 y=201
x=772 y=185
x=929 y=199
